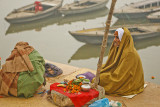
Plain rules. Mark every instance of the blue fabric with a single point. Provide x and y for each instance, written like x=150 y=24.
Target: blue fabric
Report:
x=100 y=103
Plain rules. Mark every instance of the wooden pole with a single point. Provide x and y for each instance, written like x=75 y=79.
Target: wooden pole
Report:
x=104 y=43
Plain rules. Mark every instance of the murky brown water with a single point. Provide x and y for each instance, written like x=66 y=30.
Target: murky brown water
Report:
x=51 y=38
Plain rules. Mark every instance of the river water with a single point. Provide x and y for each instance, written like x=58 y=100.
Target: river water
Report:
x=51 y=38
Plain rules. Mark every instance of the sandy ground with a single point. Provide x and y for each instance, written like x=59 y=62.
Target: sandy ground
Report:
x=149 y=98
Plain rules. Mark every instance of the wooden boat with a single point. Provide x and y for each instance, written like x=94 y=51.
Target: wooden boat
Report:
x=154 y=17
x=82 y=6
x=88 y=51
x=138 y=9
x=95 y=35
x=27 y=13
x=58 y=19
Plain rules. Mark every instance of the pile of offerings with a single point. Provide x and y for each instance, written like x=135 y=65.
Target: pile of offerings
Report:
x=76 y=85
x=73 y=86
x=77 y=92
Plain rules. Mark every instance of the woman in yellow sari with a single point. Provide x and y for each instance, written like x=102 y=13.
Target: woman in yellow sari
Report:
x=122 y=74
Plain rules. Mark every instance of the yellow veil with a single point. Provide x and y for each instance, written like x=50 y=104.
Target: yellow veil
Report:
x=122 y=74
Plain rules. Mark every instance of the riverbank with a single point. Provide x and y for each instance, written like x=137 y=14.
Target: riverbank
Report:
x=149 y=98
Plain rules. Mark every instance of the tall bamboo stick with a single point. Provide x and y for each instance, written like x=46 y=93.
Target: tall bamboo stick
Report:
x=104 y=42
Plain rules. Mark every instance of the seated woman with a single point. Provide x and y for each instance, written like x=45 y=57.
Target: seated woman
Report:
x=122 y=74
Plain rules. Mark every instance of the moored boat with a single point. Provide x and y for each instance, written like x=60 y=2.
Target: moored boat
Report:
x=154 y=17
x=88 y=51
x=30 y=13
x=138 y=9
x=95 y=35
x=82 y=6
x=58 y=19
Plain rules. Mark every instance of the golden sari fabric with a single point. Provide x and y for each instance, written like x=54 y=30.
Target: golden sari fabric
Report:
x=122 y=74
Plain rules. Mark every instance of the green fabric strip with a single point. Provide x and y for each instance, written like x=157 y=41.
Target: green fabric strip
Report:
x=29 y=82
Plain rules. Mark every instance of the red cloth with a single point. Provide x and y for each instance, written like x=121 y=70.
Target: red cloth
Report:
x=38 y=6
x=77 y=99
x=37 y=2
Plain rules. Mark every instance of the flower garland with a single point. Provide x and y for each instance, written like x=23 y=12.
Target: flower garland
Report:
x=73 y=86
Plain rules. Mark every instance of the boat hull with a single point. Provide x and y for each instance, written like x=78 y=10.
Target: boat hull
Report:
x=32 y=18
x=91 y=39
x=145 y=36
x=36 y=16
x=155 y=20
x=154 y=17
x=98 y=39
x=95 y=38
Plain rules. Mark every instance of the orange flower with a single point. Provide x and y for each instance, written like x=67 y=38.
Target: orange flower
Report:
x=64 y=90
x=73 y=87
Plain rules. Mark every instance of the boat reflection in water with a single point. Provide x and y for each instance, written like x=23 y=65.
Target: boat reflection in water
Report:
x=88 y=51
x=59 y=20
x=93 y=51
x=131 y=21
x=37 y=25
x=84 y=16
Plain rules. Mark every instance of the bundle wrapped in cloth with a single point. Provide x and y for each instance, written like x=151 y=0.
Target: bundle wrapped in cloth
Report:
x=23 y=72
